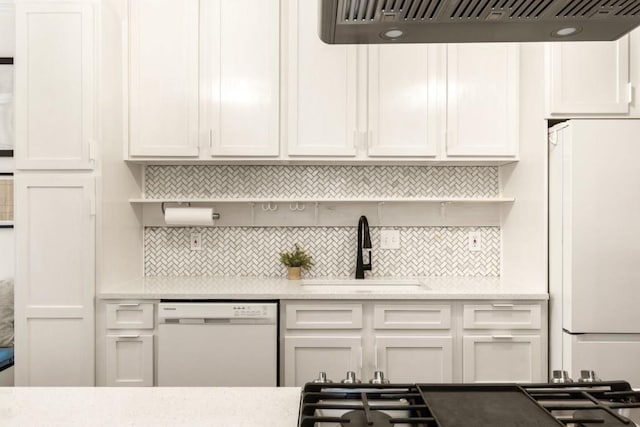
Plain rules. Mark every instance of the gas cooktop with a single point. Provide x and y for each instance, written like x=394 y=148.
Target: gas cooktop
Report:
x=602 y=403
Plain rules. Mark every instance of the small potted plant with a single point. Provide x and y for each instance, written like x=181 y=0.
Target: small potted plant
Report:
x=296 y=261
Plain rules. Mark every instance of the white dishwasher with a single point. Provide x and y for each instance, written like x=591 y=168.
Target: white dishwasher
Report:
x=217 y=344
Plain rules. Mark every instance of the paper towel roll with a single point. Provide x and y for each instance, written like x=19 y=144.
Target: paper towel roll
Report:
x=188 y=216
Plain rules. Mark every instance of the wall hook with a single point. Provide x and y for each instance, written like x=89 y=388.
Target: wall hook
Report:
x=269 y=207
x=299 y=207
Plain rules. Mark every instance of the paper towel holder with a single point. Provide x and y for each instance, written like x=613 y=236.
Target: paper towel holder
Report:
x=214 y=215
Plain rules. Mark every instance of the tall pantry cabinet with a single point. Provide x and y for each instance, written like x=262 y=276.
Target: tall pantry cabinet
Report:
x=55 y=192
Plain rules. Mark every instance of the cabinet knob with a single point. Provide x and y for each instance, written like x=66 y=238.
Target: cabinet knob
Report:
x=351 y=378
x=322 y=379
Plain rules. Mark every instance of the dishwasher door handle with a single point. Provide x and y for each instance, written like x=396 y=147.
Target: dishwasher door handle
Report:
x=198 y=321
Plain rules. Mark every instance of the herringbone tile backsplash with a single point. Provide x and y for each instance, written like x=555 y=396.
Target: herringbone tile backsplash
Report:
x=320 y=181
x=253 y=251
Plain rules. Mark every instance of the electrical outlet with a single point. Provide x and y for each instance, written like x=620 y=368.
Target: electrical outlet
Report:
x=390 y=239
x=196 y=242
x=475 y=241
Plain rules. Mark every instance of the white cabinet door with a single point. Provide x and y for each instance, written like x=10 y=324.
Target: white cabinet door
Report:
x=55 y=279
x=413 y=359
x=404 y=100
x=322 y=104
x=588 y=77
x=482 y=99
x=610 y=356
x=163 y=77
x=305 y=357
x=130 y=360
x=241 y=84
x=55 y=85
x=502 y=358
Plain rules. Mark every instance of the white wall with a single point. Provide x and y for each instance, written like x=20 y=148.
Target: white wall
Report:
x=524 y=224
x=119 y=224
x=7 y=48
x=7 y=257
x=7 y=28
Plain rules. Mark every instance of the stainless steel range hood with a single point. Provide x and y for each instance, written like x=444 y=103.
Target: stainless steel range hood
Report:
x=459 y=21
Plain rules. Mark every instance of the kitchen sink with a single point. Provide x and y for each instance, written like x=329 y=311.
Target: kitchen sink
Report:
x=362 y=285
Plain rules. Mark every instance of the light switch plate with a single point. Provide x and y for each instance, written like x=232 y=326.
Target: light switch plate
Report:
x=475 y=241
x=390 y=239
x=196 y=242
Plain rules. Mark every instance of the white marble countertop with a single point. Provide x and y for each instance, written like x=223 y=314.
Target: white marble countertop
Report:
x=253 y=288
x=150 y=406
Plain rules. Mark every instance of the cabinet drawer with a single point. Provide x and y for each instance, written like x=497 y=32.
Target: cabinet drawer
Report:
x=502 y=316
x=130 y=360
x=412 y=316
x=130 y=316
x=333 y=316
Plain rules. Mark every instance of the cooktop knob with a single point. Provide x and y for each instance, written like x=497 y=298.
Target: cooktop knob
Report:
x=322 y=379
x=560 y=377
x=588 y=377
x=351 y=378
x=378 y=378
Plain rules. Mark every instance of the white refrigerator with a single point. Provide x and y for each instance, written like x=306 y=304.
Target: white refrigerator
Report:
x=594 y=248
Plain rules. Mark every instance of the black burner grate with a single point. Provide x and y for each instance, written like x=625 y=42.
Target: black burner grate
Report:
x=587 y=403
x=357 y=398
x=454 y=405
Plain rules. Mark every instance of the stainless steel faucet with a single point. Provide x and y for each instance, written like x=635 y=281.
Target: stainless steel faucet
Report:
x=364 y=242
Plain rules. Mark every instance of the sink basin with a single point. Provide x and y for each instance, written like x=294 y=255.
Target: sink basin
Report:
x=365 y=285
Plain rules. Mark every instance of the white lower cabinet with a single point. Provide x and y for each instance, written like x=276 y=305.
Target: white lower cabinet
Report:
x=130 y=360
x=428 y=342
x=503 y=342
x=409 y=359
x=55 y=279
x=306 y=356
x=409 y=342
x=126 y=351
x=502 y=358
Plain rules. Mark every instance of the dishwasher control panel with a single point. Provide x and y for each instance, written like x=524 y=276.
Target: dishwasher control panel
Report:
x=250 y=311
x=170 y=312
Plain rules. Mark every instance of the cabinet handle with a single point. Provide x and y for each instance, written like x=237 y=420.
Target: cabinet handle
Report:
x=210 y=139
x=375 y=354
x=630 y=88
x=502 y=337
x=92 y=204
x=92 y=149
x=356 y=136
x=128 y=336
x=361 y=358
x=503 y=305
x=133 y=304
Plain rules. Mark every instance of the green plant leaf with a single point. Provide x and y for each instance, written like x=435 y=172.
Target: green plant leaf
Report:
x=297 y=258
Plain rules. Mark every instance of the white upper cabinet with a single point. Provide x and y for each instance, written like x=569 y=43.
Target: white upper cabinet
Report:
x=482 y=99
x=322 y=88
x=163 y=78
x=240 y=83
x=55 y=85
x=404 y=100
x=588 y=78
